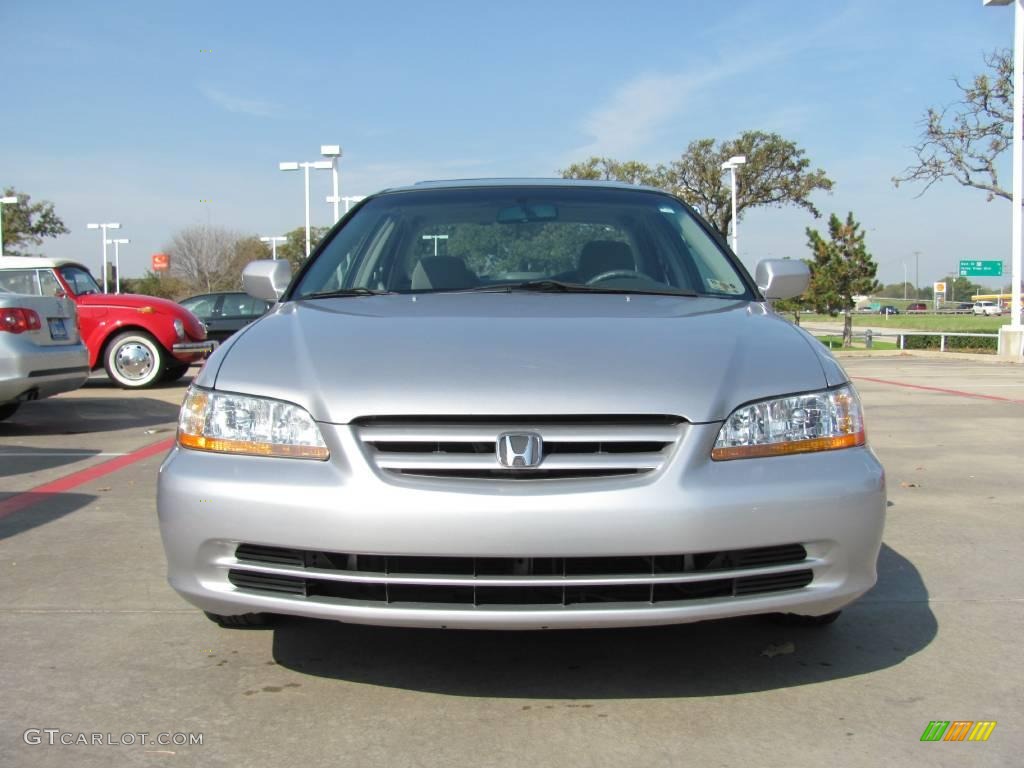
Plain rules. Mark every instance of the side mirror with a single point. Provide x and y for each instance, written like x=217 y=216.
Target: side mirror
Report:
x=782 y=278
x=267 y=279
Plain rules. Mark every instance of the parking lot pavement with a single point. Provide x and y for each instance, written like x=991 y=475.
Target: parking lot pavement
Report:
x=95 y=642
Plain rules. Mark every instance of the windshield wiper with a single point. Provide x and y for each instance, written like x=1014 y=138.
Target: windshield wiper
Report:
x=346 y=292
x=560 y=286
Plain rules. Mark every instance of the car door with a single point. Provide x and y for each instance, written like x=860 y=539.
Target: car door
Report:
x=208 y=309
x=240 y=309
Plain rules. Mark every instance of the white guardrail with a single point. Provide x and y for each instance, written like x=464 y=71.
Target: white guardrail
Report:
x=869 y=336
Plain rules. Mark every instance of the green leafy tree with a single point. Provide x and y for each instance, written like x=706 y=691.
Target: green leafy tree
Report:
x=777 y=173
x=294 y=247
x=963 y=140
x=961 y=289
x=842 y=268
x=26 y=223
x=607 y=169
x=158 y=284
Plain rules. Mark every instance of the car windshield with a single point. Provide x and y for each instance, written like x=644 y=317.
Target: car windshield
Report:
x=80 y=280
x=529 y=238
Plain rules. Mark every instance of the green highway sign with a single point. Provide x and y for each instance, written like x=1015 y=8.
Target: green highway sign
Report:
x=981 y=269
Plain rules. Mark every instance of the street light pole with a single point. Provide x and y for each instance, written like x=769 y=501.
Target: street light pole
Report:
x=9 y=200
x=103 y=228
x=117 y=262
x=273 y=244
x=321 y=164
x=350 y=199
x=905 y=281
x=435 y=238
x=731 y=165
x=1016 y=330
x=333 y=152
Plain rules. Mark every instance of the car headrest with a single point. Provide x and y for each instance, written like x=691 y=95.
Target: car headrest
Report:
x=446 y=273
x=599 y=256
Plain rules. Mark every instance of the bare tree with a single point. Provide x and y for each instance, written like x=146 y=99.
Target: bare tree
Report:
x=963 y=140
x=210 y=258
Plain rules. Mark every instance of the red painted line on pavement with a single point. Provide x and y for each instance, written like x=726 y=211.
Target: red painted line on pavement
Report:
x=46 y=490
x=941 y=390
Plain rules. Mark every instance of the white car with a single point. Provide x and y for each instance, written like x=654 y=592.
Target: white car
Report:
x=41 y=350
x=987 y=308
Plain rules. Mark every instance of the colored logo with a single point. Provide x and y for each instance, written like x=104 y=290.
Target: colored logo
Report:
x=958 y=730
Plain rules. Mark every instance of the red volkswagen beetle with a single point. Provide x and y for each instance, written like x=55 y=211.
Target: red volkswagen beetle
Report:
x=139 y=340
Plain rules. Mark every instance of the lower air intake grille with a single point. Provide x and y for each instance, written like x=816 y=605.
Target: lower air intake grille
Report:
x=498 y=581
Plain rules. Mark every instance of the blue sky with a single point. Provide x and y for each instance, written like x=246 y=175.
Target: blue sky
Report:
x=116 y=113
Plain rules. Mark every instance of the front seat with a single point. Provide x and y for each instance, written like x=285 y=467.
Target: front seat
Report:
x=600 y=256
x=442 y=273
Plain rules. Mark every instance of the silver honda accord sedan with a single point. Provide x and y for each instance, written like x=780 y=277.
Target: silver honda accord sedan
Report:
x=521 y=405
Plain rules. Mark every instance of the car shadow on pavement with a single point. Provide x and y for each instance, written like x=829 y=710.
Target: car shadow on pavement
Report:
x=716 y=658
x=82 y=415
x=101 y=381
x=20 y=460
x=43 y=509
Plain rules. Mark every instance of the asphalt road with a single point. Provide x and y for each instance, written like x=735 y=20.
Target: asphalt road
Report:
x=94 y=641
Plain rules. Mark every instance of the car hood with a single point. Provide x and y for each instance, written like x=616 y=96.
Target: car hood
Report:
x=488 y=354
x=135 y=301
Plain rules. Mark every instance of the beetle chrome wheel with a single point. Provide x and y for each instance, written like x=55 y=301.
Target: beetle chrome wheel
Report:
x=134 y=360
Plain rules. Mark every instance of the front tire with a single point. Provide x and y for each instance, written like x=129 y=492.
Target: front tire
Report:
x=174 y=371
x=134 y=360
x=7 y=410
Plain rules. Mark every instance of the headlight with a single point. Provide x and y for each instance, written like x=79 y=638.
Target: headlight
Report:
x=820 y=421
x=179 y=328
x=256 y=426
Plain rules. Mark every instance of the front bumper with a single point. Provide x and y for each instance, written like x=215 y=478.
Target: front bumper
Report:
x=193 y=351
x=30 y=371
x=832 y=503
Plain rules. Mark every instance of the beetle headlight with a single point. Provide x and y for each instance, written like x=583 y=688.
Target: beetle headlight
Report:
x=820 y=421
x=256 y=426
x=179 y=328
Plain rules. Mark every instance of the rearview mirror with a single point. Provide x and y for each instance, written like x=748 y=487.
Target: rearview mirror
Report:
x=782 y=278
x=267 y=279
x=519 y=214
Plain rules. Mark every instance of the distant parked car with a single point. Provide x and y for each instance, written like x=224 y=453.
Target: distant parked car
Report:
x=888 y=309
x=225 y=313
x=964 y=307
x=41 y=353
x=139 y=340
x=987 y=308
x=917 y=307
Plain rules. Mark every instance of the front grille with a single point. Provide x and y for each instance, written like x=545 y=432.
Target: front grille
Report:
x=573 y=446
x=507 y=581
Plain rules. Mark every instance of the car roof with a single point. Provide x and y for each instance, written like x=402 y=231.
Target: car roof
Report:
x=36 y=262
x=519 y=182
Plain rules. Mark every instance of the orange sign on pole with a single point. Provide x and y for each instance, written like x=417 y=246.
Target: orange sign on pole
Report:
x=161 y=262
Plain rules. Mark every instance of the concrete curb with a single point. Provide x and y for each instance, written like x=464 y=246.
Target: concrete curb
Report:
x=922 y=353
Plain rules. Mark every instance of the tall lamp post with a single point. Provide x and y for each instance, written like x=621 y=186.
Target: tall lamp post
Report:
x=9 y=200
x=117 y=261
x=1012 y=337
x=320 y=164
x=104 y=228
x=333 y=153
x=435 y=238
x=351 y=199
x=731 y=165
x=273 y=244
